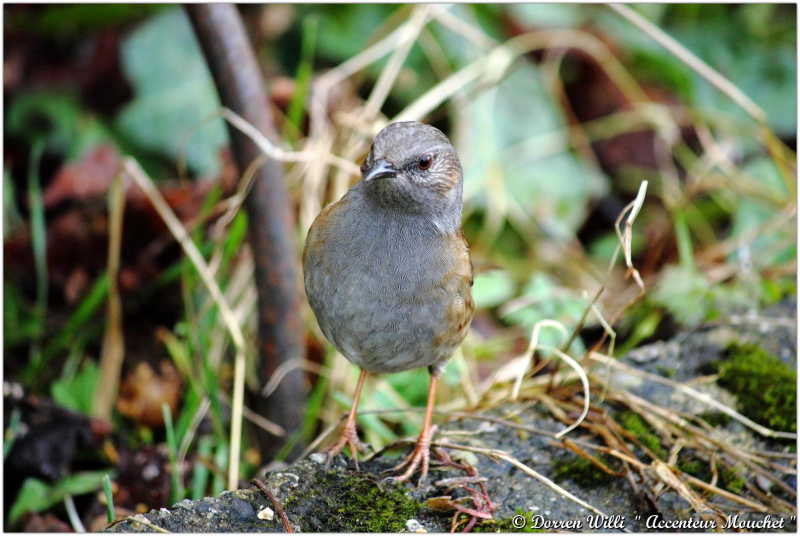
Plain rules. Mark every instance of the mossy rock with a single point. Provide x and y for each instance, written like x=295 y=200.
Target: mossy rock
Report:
x=353 y=504
x=765 y=386
x=636 y=425
x=580 y=470
x=728 y=479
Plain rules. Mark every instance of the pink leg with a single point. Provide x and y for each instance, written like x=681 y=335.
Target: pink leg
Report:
x=421 y=453
x=349 y=435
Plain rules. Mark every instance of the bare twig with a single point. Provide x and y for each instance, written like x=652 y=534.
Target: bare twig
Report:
x=278 y=508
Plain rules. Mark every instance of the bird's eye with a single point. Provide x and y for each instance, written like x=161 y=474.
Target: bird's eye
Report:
x=425 y=162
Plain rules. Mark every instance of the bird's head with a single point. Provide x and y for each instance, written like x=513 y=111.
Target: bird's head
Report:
x=413 y=167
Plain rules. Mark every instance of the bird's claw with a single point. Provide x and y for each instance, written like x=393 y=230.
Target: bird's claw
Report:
x=348 y=438
x=417 y=458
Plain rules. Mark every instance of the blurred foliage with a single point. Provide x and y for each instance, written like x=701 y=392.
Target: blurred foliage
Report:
x=76 y=20
x=37 y=495
x=173 y=89
x=692 y=299
x=76 y=391
x=60 y=118
x=504 y=155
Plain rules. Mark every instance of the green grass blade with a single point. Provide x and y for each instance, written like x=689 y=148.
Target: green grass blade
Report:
x=684 y=239
x=39 y=244
x=85 y=311
x=303 y=78
x=109 y=498
x=11 y=432
x=177 y=492
x=220 y=460
x=201 y=473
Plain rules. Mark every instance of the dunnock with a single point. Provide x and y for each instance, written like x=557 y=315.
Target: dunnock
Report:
x=387 y=269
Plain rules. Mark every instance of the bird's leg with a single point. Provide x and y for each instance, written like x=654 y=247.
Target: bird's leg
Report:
x=349 y=435
x=421 y=453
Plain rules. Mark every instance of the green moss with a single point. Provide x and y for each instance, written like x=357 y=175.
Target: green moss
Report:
x=579 y=470
x=667 y=372
x=634 y=423
x=696 y=468
x=353 y=504
x=765 y=386
x=507 y=524
x=716 y=418
x=728 y=479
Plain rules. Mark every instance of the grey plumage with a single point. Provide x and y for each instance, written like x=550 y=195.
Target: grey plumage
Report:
x=387 y=270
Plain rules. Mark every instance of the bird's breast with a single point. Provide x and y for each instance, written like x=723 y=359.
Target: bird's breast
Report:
x=390 y=294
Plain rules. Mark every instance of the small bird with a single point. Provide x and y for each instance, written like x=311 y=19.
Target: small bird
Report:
x=387 y=269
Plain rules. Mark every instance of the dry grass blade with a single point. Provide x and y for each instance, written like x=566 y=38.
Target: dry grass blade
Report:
x=626 y=236
x=679 y=424
x=419 y=17
x=139 y=518
x=782 y=156
x=179 y=232
x=532 y=349
x=113 y=350
x=584 y=382
x=625 y=240
x=701 y=67
x=492 y=67
x=766 y=432
x=266 y=146
x=288 y=366
x=665 y=474
x=461 y=27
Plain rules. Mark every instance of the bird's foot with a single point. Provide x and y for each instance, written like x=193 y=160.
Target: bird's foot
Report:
x=419 y=458
x=348 y=438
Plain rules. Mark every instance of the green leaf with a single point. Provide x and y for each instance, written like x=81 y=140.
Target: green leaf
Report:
x=691 y=298
x=174 y=92
x=36 y=496
x=10 y=435
x=59 y=118
x=77 y=393
x=752 y=213
x=549 y=15
x=517 y=148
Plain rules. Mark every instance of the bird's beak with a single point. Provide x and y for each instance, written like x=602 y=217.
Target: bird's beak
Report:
x=381 y=170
